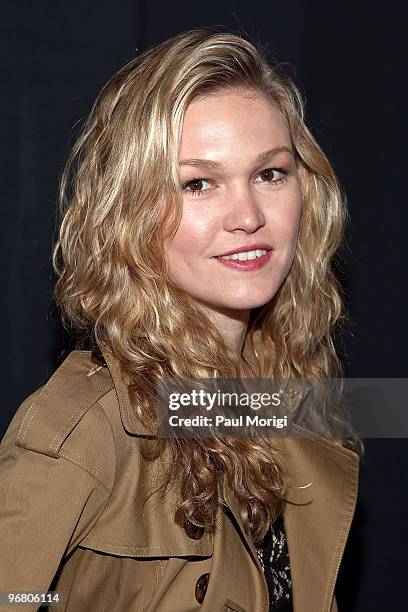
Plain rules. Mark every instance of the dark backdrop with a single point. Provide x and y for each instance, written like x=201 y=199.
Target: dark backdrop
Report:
x=349 y=58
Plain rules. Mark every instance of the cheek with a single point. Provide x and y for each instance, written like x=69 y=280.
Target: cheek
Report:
x=193 y=234
x=288 y=219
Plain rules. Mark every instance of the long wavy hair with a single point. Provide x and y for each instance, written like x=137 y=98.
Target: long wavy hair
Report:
x=119 y=189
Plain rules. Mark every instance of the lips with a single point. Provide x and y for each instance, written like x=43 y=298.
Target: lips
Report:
x=250 y=247
x=246 y=265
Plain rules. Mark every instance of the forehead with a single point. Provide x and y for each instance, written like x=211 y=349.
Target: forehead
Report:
x=227 y=123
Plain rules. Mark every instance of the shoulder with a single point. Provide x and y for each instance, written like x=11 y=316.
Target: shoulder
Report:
x=64 y=418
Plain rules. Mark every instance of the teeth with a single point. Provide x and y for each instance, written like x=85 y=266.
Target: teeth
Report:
x=245 y=255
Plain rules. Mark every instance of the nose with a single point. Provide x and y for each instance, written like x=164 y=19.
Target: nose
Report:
x=243 y=211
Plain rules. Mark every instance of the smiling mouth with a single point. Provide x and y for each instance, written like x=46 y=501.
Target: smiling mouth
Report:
x=246 y=261
x=245 y=255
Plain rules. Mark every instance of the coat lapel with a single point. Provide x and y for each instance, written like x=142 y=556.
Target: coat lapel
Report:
x=232 y=503
x=318 y=517
x=320 y=505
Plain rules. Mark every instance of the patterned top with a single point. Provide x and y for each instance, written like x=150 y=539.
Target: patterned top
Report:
x=274 y=558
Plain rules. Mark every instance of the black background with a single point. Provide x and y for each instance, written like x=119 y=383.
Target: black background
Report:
x=349 y=59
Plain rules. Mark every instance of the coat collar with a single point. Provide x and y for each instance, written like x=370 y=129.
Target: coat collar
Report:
x=131 y=420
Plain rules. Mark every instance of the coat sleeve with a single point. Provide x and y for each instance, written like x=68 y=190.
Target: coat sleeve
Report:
x=46 y=506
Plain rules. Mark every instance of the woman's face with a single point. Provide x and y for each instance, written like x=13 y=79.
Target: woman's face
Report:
x=241 y=194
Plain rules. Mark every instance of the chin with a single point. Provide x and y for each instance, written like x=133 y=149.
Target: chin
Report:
x=252 y=300
x=245 y=304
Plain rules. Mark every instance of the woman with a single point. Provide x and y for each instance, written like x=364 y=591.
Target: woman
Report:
x=199 y=223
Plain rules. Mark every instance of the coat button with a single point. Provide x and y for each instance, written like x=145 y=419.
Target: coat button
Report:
x=201 y=587
x=193 y=531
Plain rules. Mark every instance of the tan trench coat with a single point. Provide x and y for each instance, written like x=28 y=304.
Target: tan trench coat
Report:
x=72 y=486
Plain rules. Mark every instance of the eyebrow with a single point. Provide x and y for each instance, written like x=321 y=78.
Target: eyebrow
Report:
x=214 y=165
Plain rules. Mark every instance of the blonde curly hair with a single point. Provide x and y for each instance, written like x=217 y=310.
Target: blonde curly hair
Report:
x=119 y=188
